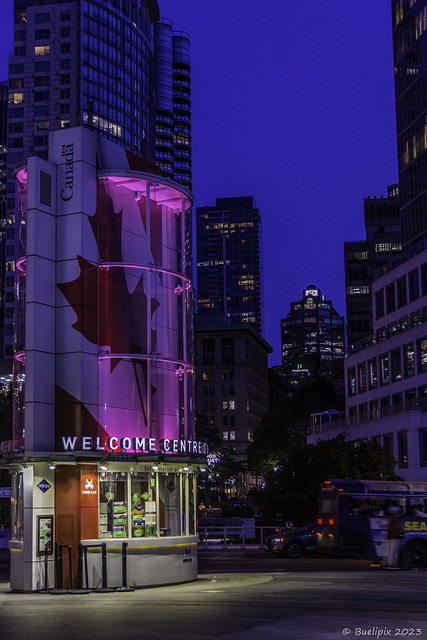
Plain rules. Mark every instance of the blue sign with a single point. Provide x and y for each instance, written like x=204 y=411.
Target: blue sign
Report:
x=44 y=485
x=5 y=492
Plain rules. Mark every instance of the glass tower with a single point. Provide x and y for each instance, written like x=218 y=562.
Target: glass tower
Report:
x=229 y=262
x=410 y=64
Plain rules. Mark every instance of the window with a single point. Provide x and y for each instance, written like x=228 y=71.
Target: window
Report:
x=391 y=298
x=351 y=379
x=373 y=410
x=40 y=141
x=64 y=78
x=379 y=303
x=65 y=124
x=372 y=373
x=41 y=110
x=42 y=34
x=65 y=47
x=401 y=292
x=41 y=96
x=388 y=443
x=414 y=287
x=16 y=83
x=227 y=350
x=424 y=278
x=232 y=405
x=402 y=448
x=64 y=109
x=384 y=369
x=64 y=94
x=44 y=50
x=42 y=65
x=422 y=355
x=65 y=16
x=409 y=360
x=16 y=98
x=396 y=365
x=423 y=447
x=41 y=125
x=361 y=374
x=208 y=351
x=65 y=64
x=41 y=81
x=41 y=18
x=65 y=32
x=224 y=405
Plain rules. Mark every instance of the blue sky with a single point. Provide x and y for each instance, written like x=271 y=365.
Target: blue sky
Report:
x=293 y=103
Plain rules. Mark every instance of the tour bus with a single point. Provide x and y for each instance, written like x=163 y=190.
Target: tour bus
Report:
x=354 y=516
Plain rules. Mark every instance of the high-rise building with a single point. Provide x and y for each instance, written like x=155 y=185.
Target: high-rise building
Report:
x=231 y=388
x=93 y=63
x=312 y=336
x=173 y=106
x=229 y=263
x=410 y=65
x=363 y=258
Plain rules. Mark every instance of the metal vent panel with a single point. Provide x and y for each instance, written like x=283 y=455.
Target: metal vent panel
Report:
x=45 y=188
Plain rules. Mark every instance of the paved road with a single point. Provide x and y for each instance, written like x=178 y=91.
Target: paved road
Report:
x=321 y=605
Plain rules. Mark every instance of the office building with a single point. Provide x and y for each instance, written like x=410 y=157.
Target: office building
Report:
x=312 y=337
x=364 y=257
x=386 y=373
x=232 y=387
x=93 y=63
x=230 y=263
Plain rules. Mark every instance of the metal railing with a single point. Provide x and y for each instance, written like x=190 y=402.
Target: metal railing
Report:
x=235 y=536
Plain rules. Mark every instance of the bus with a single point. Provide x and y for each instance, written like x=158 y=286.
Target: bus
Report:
x=354 y=515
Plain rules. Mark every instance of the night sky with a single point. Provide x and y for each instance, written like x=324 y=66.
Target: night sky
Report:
x=293 y=103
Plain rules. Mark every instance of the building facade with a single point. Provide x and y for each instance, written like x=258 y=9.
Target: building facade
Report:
x=312 y=337
x=103 y=449
x=386 y=373
x=173 y=102
x=410 y=64
x=364 y=257
x=232 y=387
x=230 y=263
x=93 y=63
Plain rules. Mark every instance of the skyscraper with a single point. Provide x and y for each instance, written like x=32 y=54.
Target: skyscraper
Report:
x=92 y=63
x=312 y=339
x=362 y=259
x=410 y=64
x=173 y=107
x=229 y=262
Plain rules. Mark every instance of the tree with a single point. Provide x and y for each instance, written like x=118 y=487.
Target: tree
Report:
x=293 y=471
x=285 y=426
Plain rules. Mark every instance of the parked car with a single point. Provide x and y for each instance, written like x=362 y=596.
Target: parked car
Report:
x=292 y=544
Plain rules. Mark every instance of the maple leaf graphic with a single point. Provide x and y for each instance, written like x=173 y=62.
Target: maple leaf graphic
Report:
x=108 y=314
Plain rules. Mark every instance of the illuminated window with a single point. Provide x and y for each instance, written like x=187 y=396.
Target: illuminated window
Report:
x=16 y=98
x=42 y=51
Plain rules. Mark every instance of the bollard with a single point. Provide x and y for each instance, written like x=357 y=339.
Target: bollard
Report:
x=60 y=548
x=86 y=570
x=80 y=568
x=45 y=568
x=104 y=565
x=71 y=566
x=124 y=564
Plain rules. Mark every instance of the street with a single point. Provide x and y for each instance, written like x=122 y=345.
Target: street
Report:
x=305 y=602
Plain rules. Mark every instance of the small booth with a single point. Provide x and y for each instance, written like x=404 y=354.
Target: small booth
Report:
x=104 y=459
